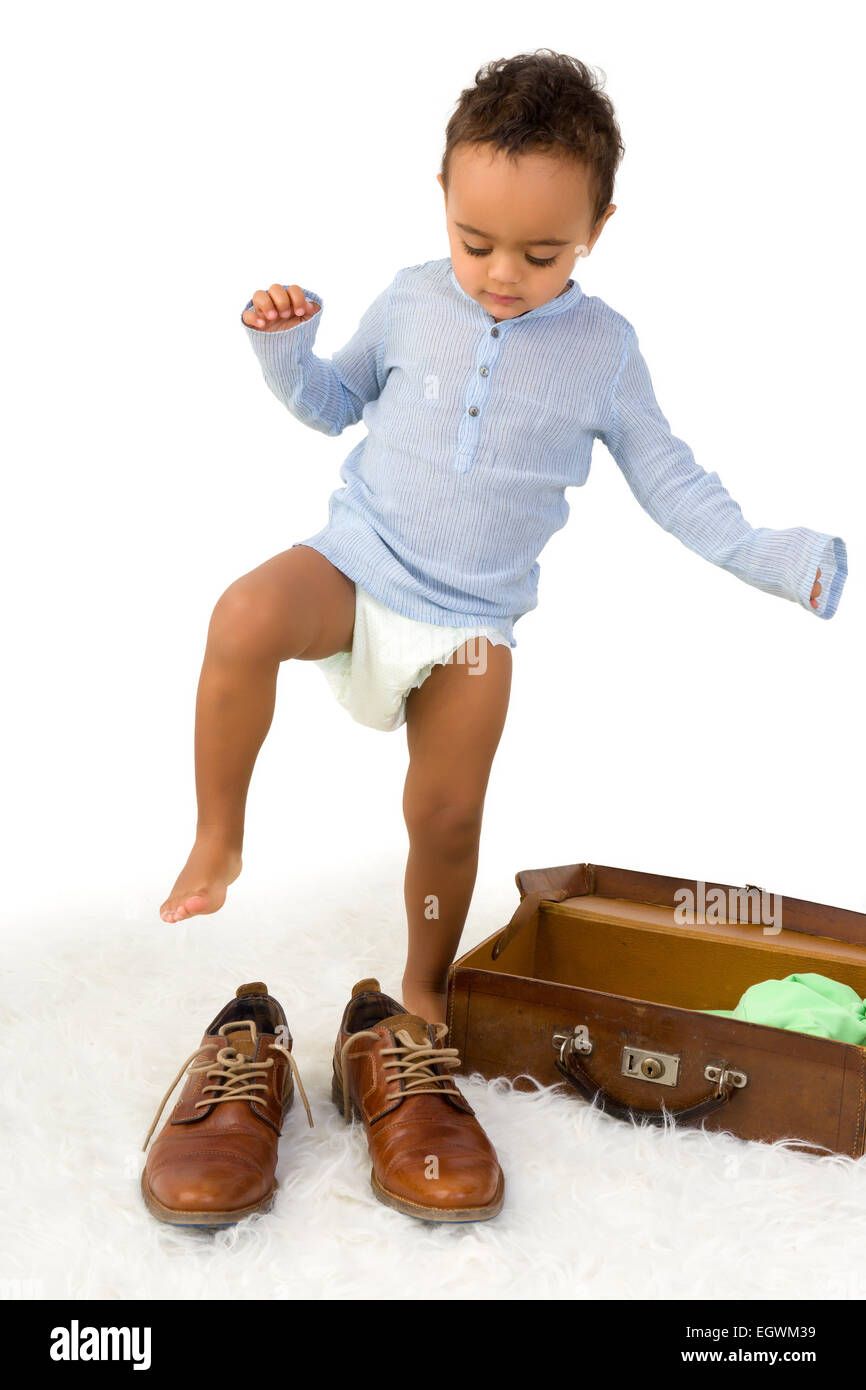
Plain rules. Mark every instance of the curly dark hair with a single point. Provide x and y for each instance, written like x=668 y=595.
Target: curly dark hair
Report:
x=540 y=101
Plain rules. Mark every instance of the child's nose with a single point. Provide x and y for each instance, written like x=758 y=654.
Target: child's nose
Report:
x=505 y=270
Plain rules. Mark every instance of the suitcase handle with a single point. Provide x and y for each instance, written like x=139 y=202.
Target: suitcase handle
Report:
x=569 y=1065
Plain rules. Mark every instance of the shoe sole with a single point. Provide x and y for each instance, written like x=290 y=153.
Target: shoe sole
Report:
x=454 y=1216
x=173 y=1217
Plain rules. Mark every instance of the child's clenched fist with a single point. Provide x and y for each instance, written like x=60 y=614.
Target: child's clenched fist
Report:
x=279 y=307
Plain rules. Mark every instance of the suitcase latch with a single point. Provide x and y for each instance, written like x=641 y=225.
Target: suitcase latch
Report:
x=661 y=1067
x=572 y=1040
x=725 y=1076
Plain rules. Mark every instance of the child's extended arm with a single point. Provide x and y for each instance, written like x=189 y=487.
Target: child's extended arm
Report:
x=325 y=393
x=694 y=506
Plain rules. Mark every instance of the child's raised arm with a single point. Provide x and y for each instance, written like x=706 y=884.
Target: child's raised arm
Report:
x=325 y=393
x=695 y=507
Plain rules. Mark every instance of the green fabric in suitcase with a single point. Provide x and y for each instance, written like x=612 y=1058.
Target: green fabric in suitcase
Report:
x=805 y=1003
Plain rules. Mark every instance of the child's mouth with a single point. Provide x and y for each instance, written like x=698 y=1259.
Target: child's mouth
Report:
x=502 y=298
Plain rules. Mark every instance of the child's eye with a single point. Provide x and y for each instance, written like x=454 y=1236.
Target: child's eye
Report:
x=485 y=251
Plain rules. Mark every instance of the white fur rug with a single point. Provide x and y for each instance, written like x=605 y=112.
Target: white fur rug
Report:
x=102 y=1010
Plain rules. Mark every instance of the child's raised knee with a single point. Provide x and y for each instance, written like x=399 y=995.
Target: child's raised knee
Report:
x=242 y=624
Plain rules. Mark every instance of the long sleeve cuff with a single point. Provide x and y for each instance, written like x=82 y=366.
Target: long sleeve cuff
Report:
x=284 y=353
x=829 y=554
x=787 y=562
x=281 y=348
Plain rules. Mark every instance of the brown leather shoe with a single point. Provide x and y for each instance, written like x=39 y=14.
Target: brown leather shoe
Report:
x=213 y=1162
x=431 y=1158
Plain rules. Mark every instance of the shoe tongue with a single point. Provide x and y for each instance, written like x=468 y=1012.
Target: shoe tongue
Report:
x=241 y=1039
x=413 y=1027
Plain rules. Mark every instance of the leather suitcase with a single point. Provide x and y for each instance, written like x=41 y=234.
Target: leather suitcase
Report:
x=596 y=982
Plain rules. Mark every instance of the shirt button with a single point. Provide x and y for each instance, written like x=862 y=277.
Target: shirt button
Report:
x=494 y=332
x=483 y=371
x=473 y=410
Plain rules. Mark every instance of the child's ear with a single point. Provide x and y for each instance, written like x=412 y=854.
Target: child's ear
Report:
x=602 y=223
x=607 y=215
x=440 y=183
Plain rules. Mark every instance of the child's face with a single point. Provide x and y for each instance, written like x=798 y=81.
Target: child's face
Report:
x=525 y=217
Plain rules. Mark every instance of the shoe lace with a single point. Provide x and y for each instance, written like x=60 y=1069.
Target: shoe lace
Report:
x=410 y=1065
x=232 y=1075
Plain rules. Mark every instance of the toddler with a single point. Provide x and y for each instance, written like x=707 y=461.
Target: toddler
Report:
x=483 y=380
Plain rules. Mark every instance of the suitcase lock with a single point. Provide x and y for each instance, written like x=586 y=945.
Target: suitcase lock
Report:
x=661 y=1067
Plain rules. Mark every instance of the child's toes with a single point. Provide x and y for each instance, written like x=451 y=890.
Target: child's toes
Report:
x=179 y=908
x=197 y=902
x=191 y=907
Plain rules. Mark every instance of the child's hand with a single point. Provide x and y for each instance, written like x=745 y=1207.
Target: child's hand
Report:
x=279 y=308
x=816 y=589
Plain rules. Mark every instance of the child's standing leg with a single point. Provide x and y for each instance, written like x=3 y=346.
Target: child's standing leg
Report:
x=454 y=721
x=297 y=604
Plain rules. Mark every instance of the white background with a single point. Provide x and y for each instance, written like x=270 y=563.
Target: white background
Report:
x=161 y=163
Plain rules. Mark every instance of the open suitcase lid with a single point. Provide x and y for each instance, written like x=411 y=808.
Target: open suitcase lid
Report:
x=630 y=886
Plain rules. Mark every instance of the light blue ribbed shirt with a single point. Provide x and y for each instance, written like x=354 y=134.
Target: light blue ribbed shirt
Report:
x=475 y=430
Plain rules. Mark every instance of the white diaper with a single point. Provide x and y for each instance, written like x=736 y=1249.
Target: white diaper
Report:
x=390 y=656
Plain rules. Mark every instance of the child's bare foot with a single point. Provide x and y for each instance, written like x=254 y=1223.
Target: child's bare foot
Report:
x=201 y=885
x=426 y=1003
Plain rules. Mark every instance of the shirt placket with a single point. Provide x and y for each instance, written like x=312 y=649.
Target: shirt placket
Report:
x=477 y=396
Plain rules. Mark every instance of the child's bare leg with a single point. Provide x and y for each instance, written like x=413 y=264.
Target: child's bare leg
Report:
x=297 y=604
x=454 y=721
